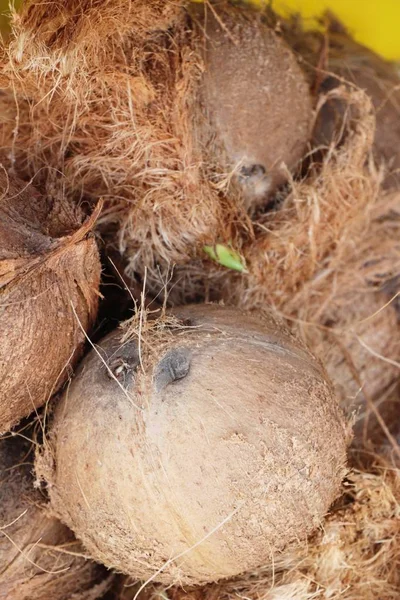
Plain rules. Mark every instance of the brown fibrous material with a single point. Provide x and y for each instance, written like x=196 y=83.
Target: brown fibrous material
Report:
x=117 y=106
x=49 y=290
x=332 y=58
x=327 y=259
x=39 y=557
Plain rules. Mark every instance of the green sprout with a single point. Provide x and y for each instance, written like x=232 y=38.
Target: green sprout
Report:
x=226 y=256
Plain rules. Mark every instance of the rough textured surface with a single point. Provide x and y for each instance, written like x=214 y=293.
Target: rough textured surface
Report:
x=108 y=93
x=256 y=98
x=202 y=455
x=355 y=556
x=39 y=557
x=49 y=268
x=344 y=60
x=360 y=350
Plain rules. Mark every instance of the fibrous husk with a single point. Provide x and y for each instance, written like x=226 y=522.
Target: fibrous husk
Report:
x=333 y=58
x=49 y=281
x=110 y=93
x=39 y=557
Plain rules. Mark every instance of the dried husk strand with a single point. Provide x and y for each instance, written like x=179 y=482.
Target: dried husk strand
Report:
x=39 y=557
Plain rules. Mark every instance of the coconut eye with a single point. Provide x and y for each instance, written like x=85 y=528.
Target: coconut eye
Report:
x=123 y=361
x=251 y=171
x=120 y=368
x=173 y=366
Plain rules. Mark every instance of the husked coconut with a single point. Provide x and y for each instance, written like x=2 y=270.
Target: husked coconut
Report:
x=198 y=450
x=256 y=98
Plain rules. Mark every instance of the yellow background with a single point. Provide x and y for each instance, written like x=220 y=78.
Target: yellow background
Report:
x=375 y=23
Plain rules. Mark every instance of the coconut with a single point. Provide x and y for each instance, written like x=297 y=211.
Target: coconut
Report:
x=39 y=557
x=256 y=99
x=49 y=280
x=198 y=450
x=123 y=119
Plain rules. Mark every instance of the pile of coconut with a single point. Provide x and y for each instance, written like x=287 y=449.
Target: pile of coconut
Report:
x=199 y=284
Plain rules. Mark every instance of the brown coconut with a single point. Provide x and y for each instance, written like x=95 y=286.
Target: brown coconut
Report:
x=49 y=281
x=256 y=99
x=117 y=107
x=198 y=450
x=39 y=557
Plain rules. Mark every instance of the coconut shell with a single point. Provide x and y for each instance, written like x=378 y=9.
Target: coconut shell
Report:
x=199 y=454
x=49 y=281
x=39 y=557
x=256 y=98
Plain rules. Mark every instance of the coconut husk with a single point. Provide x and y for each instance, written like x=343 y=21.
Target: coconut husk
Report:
x=132 y=146
x=146 y=147
x=39 y=557
x=49 y=280
x=332 y=58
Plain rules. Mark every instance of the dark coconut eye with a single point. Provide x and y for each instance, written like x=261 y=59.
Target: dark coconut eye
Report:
x=122 y=361
x=251 y=171
x=173 y=366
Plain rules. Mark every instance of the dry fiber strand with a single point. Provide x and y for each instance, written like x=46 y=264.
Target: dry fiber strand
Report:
x=49 y=280
x=39 y=557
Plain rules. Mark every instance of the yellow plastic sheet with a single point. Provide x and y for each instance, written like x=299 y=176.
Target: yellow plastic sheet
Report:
x=374 y=23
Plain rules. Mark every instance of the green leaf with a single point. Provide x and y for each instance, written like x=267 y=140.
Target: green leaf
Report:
x=225 y=256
